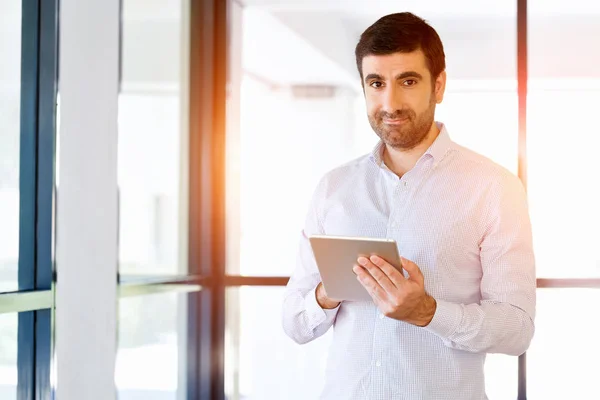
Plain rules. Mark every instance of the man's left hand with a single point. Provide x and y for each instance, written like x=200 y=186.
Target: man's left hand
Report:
x=396 y=297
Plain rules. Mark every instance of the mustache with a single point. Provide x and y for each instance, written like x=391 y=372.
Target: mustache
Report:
x=398 y=114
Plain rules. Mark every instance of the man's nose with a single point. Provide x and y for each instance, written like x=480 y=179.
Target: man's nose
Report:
x=392 y=100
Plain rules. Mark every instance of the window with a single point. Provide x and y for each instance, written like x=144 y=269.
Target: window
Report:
x=151 y=357
x=564 y=195
x=565 y=346
x=159 y=322
x=152 y=165
x=8 y=356
x=293 y=85
x=153 y=205
x=261 y=361
x=564 y=87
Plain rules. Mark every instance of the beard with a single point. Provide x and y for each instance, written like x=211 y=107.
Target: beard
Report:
x=410 y=133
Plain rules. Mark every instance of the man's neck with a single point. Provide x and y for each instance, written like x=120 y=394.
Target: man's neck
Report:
x=401 y=161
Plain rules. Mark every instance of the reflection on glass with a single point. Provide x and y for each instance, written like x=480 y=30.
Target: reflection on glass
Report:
x=153 y=138
x=563 y=358
x=295 y=116
x=562 y=139
x=10 y=109
x=261 y=362
x=8 y=355
x=150 y=360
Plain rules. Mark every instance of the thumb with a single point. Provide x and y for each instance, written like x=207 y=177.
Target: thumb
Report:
x=413 y=270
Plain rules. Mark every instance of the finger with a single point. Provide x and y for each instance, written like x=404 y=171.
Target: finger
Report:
x=390 y=271
x=379 y=275
x=369 y=283
x=413 y=270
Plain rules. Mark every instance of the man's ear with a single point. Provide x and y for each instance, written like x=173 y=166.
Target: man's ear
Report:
x=440 y=87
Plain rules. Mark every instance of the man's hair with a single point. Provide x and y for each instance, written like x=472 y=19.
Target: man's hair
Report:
x=405 y=33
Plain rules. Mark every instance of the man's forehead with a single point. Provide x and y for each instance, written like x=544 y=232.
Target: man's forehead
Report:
x=397 y=62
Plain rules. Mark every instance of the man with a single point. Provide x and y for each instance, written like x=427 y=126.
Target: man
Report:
x=462 y=226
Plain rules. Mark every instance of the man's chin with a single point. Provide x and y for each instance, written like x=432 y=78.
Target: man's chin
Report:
x=402 y=142
x=396 y=137
x=397 y=144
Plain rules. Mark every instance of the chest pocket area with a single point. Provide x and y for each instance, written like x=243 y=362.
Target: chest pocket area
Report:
x=445 y=246
x=344 y=219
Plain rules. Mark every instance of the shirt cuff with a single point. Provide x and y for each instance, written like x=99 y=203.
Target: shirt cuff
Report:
x=316 y=314
x=446 y=319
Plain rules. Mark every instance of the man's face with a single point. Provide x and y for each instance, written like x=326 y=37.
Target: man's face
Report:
x=401 y=97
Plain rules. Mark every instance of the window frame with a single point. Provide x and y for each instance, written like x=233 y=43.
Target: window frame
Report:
x=33 y=299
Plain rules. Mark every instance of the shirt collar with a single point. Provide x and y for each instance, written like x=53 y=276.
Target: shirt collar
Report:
x=437 y=150
x=440 y=145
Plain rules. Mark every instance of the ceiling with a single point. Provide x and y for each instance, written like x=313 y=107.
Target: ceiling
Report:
x=479 y=37
x=289 y=42
x=496 y=8
x=382 y=7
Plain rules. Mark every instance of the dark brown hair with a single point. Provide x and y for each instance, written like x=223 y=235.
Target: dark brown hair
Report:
x=405 y=33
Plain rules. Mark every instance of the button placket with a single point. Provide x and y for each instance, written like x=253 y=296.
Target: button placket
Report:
x=395 y=202
x=400 y=200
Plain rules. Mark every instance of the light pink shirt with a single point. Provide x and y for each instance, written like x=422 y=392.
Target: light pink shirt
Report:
x=464 y=221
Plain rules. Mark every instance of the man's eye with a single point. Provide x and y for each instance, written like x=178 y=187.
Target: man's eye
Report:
x=410 y=82
x=376 y=84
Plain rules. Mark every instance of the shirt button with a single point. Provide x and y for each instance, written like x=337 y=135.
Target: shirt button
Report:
x=378 y=363
x=381 y=316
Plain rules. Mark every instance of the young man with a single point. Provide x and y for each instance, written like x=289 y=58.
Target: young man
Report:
x=461 y=223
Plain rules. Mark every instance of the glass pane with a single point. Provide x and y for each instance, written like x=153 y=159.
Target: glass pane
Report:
x=294 y=116
x=151 y=356
x=501 y=376
x=563 y=358
x=8 y=355
x=153 y=138
x=10 y=135
x=563 y=189
x=261 y=362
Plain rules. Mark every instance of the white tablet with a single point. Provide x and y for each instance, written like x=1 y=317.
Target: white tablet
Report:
x=337 y=255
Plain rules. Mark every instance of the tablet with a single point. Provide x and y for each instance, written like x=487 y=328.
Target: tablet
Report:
x=337 y=255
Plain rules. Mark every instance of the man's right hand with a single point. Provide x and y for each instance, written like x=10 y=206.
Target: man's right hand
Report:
x=324 y=301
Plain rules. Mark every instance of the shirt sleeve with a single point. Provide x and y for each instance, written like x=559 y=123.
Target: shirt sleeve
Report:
x=503 y=322
x=303 y=318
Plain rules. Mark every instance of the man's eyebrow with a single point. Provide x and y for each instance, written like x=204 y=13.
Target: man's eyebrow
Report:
x=407 y=74
x=373 y=76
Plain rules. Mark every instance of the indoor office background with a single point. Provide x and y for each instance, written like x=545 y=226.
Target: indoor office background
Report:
x=228 y=114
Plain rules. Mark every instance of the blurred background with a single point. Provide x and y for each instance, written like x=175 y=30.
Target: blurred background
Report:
x=294 y=110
